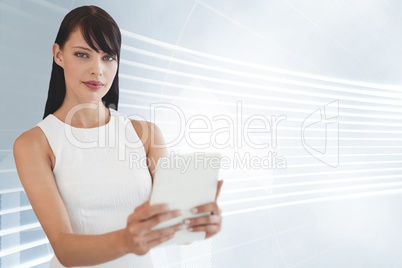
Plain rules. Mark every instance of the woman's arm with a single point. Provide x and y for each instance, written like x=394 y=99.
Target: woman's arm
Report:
x=154 y=144
x=32 y=156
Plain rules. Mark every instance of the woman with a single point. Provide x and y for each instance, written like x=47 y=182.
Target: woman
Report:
x=92 y=206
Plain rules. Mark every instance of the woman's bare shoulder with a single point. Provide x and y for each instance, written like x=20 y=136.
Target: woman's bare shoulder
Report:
x=32 y=138
x=33 y=142
x=143 y=126
x=148 y=132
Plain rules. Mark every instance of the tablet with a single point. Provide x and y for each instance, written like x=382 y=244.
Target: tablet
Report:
x=185 y=181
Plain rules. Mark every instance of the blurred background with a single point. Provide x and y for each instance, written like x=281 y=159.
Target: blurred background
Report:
x=301 y=97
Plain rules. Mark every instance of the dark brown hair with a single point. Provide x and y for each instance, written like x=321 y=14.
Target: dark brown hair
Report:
x=100 y=31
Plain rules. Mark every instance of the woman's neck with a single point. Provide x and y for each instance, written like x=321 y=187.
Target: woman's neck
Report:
x=84 y=115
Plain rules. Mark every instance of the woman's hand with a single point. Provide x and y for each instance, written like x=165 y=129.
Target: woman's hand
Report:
x=210 y=224
x=139 y=236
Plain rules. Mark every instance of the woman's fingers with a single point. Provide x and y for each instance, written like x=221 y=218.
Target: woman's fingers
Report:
x=155 y=220
x=210 y=224
x=209 y=230
x=140 y=236
x=154 y=243
x=140 y=223
x=156 y=237
x=212 y=219
x=212 y=208
x=159 y=234
x=145 y=211
x=142 y=241
x=143 y=222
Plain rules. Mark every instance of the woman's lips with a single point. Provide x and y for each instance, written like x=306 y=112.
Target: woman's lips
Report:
x=93 y=84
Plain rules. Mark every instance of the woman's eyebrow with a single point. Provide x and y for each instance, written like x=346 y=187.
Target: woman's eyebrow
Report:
x=84 y=48
x=87 y=49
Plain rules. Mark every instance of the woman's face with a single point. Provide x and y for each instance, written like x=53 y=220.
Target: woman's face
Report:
x=88 y=74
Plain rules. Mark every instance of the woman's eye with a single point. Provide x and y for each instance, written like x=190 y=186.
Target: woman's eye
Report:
x=81 y=55
x=109 y=58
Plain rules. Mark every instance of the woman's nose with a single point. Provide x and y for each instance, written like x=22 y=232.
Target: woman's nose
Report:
x=97 y=68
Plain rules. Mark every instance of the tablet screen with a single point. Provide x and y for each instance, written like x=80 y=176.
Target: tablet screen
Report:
x=185 y=181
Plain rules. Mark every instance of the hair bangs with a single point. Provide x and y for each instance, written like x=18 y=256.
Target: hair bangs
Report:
x=101 y=37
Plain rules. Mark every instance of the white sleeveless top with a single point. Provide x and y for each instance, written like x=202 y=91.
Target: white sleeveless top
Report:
x=102 y=176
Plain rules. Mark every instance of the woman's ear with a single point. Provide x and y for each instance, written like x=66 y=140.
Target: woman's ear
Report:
x=57 y=55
